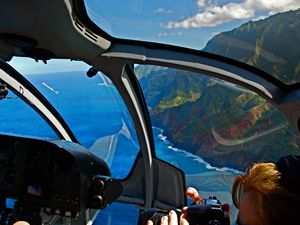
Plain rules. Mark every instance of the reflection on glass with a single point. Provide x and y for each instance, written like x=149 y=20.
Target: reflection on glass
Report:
x=96 y=114
x=91 y=106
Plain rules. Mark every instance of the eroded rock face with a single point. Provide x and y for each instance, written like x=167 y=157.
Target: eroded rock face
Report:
x=227 y=135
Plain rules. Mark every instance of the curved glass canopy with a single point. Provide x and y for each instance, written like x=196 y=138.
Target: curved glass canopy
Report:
x=264 y=34
x=223 y=127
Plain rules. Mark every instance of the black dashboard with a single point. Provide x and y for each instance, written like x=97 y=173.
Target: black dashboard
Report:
x=57 y=177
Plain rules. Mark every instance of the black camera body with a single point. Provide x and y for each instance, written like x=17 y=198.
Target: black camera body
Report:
x=209 y=213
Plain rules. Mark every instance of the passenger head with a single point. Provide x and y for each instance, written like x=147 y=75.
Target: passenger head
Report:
x=262 y=188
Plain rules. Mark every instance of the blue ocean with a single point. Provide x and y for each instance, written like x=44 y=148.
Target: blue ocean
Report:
x=95 y=112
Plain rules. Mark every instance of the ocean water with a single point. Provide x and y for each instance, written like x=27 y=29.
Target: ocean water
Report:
x=95 y=111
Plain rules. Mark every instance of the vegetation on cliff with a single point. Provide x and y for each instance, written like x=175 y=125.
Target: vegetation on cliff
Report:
x=270 y=44
x=223 y=123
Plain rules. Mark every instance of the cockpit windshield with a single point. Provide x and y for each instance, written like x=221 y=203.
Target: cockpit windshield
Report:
x=210 y=128
x=91 y=106
x=264 y=34
x=226 y=124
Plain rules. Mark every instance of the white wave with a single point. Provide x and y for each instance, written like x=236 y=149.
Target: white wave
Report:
x=194 y=157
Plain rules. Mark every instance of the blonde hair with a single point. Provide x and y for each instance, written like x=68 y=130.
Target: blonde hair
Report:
x=276 y=205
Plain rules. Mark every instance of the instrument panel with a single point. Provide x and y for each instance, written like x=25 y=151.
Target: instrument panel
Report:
x=60 y=177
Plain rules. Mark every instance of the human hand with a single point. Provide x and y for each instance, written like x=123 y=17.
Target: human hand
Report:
x=194 y=194
x=171 y=219
x=21 y=223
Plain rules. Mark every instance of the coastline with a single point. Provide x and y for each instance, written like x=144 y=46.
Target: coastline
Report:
x=198 y=158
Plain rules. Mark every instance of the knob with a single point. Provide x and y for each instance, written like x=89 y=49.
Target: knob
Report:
x=97 y=201
x=98 y=185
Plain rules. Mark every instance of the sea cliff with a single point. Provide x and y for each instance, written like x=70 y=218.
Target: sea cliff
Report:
x=228 y=126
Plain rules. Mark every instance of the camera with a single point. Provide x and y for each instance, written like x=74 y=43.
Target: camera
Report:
x=209 y=213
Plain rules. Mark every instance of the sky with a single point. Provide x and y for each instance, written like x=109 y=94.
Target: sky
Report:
x=187 y=23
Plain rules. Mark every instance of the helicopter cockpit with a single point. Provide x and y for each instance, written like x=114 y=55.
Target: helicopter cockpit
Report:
x=111 y=110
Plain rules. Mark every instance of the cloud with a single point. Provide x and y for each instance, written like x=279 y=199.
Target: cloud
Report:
x=201 y=3
x=211 y=15
x=162 y=10
x=169 y=34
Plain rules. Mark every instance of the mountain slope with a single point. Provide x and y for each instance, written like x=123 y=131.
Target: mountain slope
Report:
x=271 y=45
